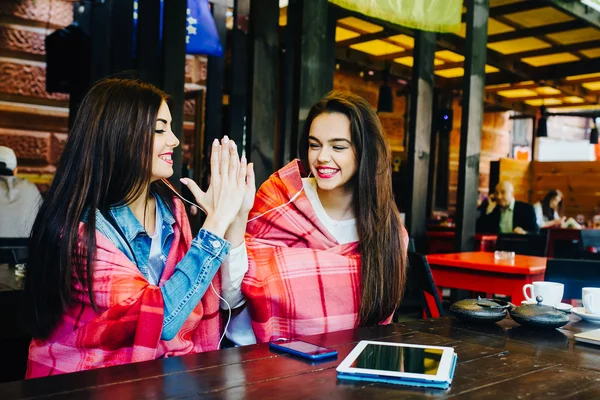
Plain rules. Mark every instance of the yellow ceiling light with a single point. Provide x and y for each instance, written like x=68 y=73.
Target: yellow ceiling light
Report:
x=403 y=40
x=573 y=99
x=490 y=69
x=547 y=90
x=576 y=108
x=344 y=34
x=494 y=28
x=591 y=53
x=518 y=45
x=377 y=47
x=512 y=93
x=361 y=25
x=592 y=85
x=449 y=56
x=575 y=36
x=451 y=73
x=498 y=86
x=538 y=17
x=543 y=102
x=550 y=59
x=409 y=61
x=584 y=76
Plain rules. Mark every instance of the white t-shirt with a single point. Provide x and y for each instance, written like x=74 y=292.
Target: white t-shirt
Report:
x=235 y=266
x=156 y=262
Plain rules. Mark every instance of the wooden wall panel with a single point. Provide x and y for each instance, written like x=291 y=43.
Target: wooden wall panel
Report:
x=577 y=180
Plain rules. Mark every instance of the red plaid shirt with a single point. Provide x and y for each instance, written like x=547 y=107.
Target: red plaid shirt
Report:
x=300 y=280
x=128 y=324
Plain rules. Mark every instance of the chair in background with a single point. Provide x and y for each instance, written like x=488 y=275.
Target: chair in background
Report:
x=421 y=292
x=528 y=245
x=574 y=274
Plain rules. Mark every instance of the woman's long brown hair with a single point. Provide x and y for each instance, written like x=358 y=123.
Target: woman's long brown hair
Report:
x=383 y=265
x=107 y=161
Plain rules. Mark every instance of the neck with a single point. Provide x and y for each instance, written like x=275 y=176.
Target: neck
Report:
x=144 y=209
x=337 y=203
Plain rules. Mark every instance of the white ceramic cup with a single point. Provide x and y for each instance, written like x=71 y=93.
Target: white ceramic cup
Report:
x=551 y=292
x=591 y=299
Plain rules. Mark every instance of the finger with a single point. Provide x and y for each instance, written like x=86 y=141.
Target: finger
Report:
x=214 y=158
x=242 y=172
x=234 y=162
x=199 y=195
x=251 y=179
x=225 y=145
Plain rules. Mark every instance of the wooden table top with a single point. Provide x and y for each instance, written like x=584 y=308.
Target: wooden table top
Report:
x=484 y=261
x=499 y=360
x=451 y=234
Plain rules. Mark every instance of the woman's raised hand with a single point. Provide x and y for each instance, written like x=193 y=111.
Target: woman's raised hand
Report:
x=223 y=199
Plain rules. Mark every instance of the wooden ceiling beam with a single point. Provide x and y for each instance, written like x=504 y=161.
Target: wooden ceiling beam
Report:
x=511 y=87
x=537 y=31
x=556 y=49
x=508 y=104
x=392 y=56
x=364 y=38
x=578 y=10
x=565 y=105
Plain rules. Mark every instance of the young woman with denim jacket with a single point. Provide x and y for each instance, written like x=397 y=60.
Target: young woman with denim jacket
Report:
x=113 y=274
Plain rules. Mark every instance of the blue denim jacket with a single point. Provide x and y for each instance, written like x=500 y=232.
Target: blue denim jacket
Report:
x=192 y=276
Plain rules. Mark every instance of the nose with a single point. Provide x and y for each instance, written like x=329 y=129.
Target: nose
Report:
x=172 y=140
x=324 y=155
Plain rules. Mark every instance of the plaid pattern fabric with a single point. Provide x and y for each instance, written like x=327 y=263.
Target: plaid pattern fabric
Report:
x=128 y=324
x=300 y=280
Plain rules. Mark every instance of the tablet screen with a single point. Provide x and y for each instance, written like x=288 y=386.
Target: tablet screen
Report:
x=399 y=359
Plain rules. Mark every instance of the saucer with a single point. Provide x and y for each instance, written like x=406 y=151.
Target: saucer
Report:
x=581 y=313
x=559 y=306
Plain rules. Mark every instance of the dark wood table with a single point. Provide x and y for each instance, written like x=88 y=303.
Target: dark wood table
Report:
x=494 y=361
x=480 y=272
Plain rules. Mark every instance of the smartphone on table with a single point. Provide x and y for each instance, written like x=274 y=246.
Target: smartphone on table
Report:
x=302 y=349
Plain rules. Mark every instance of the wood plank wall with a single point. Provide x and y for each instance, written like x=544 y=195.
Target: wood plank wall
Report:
x=514 y=171
x=579 y=182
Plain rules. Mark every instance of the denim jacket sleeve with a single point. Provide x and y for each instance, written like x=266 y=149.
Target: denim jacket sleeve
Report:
x=191 y=279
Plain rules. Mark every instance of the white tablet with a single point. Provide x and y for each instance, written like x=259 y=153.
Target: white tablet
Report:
x=399 y=361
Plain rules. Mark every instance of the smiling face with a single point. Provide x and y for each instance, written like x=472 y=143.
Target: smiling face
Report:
x=164 y=143
x=331 y=154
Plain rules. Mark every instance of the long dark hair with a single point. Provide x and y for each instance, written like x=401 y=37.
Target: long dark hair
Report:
x=107 y=161
x=378 y=221
x=546 y=209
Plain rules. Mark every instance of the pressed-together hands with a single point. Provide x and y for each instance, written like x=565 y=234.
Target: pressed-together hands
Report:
x=230 y=194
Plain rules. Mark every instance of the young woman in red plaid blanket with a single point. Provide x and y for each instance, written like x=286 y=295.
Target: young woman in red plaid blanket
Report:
x=113 y=274
x=326 y=252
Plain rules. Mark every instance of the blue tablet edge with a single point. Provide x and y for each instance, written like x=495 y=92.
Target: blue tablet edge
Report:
x=403 y=382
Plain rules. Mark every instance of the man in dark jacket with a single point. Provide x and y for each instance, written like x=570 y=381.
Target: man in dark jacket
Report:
x=506 y=215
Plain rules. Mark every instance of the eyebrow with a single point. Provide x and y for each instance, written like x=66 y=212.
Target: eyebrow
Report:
x=331 y=140
x=164 y=121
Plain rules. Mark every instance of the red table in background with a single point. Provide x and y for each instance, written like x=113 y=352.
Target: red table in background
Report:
x=443 y=241
x=480 y=272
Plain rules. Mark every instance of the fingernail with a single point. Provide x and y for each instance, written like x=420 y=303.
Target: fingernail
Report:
x=243 y=159
x=216 y=142
x=225 y=139
x=182 y=180
x=233 y=145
